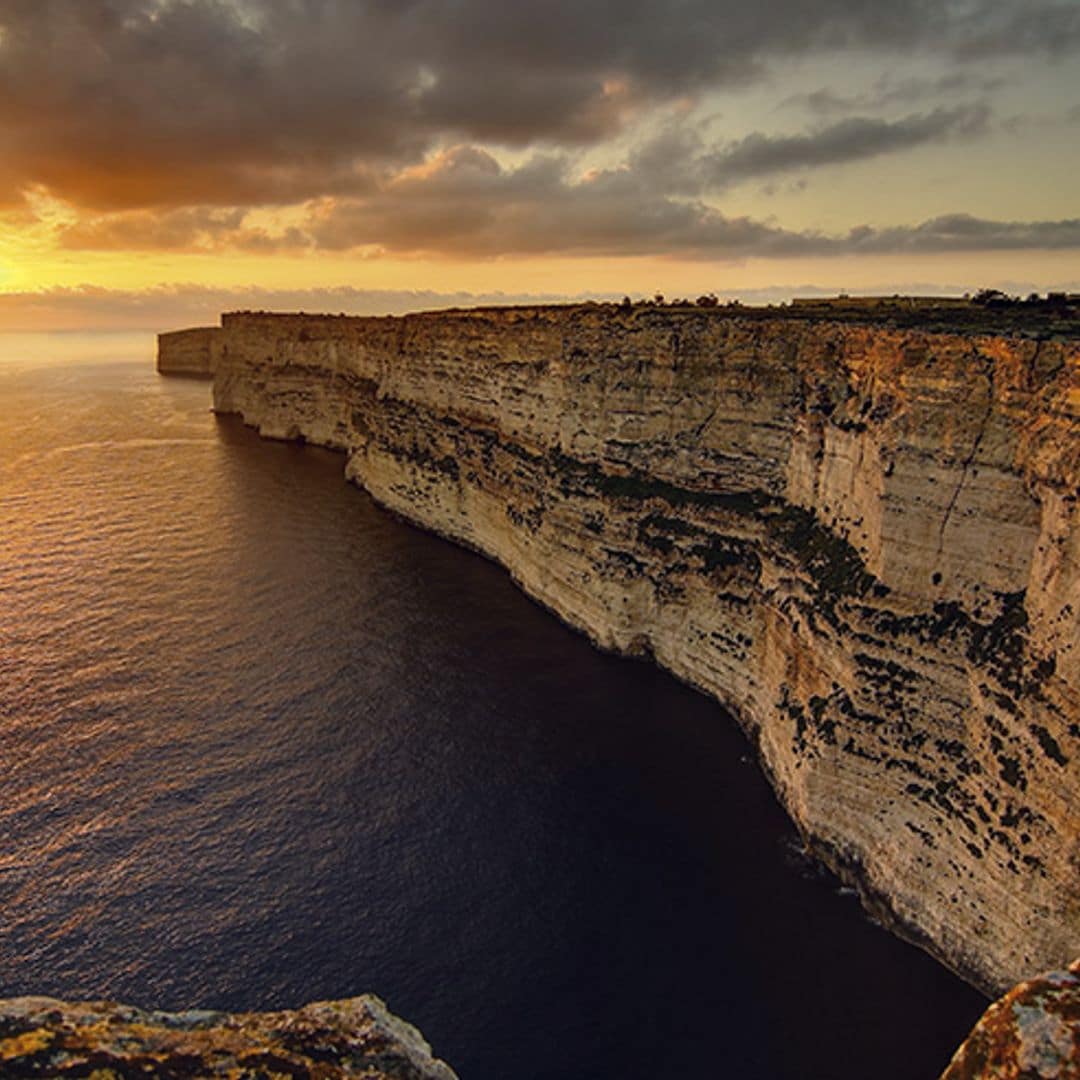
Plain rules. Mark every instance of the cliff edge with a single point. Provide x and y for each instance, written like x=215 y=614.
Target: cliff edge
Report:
x=863 y=539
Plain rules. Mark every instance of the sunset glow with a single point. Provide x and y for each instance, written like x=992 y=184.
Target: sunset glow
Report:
x=150 y=144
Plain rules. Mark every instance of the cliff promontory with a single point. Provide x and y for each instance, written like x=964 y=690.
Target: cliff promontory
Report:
x=863 y=539
x=193 y=352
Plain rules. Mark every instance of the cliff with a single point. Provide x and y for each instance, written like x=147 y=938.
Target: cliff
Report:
x=329 y=1039
x=189 y=352
x=862 y=539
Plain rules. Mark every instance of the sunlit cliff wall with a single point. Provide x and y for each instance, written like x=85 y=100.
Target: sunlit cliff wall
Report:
x=864 y=541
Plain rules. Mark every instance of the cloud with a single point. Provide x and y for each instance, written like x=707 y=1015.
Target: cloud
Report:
x=462 y=203
x=170 y=306
x=388 y=125
x=540 y=209
x=90 y=308
x=131 y=104
x=962 y=232
x=677 y=160
x=191 y=228
x=888 y=91
x=195 y=228
x=853 y=139
x=997 y=27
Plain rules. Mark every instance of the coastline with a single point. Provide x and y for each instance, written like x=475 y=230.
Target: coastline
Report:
x=488 y=428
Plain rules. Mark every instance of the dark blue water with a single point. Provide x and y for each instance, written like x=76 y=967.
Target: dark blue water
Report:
x=261 y=743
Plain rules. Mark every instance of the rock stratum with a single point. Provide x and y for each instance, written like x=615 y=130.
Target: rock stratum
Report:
x=328 y=1040
x=862 y=539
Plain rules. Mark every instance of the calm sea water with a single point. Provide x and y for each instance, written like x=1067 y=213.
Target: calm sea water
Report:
x=261 y=743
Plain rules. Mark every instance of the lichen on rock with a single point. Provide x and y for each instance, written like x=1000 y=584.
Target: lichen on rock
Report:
x=1032 y=1033
x=327 y=1040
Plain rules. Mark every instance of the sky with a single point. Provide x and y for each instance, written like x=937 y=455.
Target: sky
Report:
x=161 y=160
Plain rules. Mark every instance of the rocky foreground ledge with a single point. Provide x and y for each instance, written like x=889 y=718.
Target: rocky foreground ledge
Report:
x=1032 y=1033
x=43 y=1037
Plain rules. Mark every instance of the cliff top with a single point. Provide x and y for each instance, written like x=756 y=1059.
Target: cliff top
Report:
x=1056 y=316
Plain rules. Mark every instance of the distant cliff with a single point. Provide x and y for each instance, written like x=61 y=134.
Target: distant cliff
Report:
x=862 y=539
x=189 y=352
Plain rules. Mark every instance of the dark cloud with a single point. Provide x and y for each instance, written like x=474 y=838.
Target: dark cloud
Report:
x=889 y=91
x=853 y=139
x=962 y=232
x=144 y=103
x=989 y=28
x=195 y=228
x=115 y=103
x=463 y=203
x=677 y=160
x=191 y=228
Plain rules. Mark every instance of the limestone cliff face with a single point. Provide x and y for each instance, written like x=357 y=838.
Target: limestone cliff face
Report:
x=863 y=541
x=331 y=1040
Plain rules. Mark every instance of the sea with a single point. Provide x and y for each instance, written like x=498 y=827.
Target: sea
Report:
x=262 y=743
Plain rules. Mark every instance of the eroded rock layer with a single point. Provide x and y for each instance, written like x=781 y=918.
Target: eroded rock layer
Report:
x=105 y=1041
x=863 y=541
